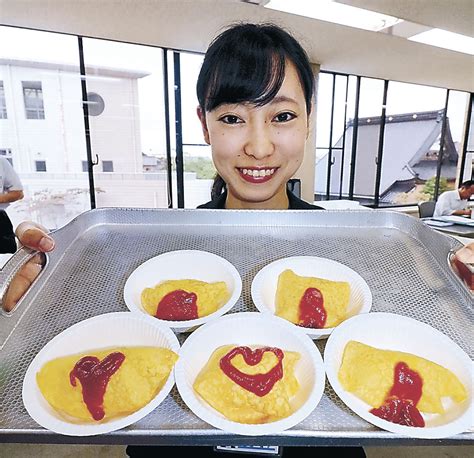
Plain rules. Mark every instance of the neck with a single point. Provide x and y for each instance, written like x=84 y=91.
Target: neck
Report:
x=277 y=202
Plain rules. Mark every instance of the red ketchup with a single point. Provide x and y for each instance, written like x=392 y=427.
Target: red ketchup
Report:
x=259 y=384
x=400 y=405
x=94 y=376
x=312 y=311
x=177 y=305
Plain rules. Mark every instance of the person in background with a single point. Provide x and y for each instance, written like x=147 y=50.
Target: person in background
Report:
x=455 y=202
x=11 y=190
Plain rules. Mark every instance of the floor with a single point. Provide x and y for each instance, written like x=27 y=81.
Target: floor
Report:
x=86 y=451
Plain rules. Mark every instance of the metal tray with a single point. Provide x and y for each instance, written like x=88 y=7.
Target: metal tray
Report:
x=403 y=261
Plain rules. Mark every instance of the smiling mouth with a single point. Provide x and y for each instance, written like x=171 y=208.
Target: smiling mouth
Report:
x=257 y=174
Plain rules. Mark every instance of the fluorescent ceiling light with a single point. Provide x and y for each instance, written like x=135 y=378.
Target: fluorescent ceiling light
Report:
x=444 y=39
x=327 y=10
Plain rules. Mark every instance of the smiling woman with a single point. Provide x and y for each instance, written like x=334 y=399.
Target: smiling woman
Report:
x=255 y=90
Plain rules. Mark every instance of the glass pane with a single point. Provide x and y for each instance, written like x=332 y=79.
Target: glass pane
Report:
x=458 y=104
x=324 y=138
x=321 y=172
x=468 y=172
x=199 y=170
x=370 y=109
x=323 y=108
x=411 y=144
x=55 y=144
x=127 y=123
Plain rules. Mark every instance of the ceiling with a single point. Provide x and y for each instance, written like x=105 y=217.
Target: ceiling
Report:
x=452 y=15
x=191 y=25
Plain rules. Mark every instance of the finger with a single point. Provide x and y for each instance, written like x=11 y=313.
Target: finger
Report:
x=22 y=281
x=34 y=236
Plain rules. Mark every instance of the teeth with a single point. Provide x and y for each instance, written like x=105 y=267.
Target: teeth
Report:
x=258 y=173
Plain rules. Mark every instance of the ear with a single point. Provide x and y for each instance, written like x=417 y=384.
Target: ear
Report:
x=202 y=117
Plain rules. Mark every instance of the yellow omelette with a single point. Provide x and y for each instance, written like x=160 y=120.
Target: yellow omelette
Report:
x=210 y=296
x=291 y=288
x=368 y=373
x=137 y=381
x=243 y=406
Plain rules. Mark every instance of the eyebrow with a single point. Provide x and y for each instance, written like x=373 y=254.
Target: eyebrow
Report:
x=282 y=98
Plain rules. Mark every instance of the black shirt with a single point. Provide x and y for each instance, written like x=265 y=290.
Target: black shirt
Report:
x=7 y=236
x=294 y=203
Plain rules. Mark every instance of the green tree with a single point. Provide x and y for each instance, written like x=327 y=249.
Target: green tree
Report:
x=202 y=166
x=429 y=187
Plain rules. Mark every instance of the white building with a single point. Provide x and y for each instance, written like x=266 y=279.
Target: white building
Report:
x=43 y=129
x=42 y=132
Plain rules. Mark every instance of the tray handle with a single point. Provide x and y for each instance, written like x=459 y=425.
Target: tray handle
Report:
x=11 y=268
x=469 y=268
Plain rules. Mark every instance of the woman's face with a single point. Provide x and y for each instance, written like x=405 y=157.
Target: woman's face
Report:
x=256 y=150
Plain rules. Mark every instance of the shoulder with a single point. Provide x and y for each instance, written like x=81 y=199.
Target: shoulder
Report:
x=296 y=203
x=447 y=195
x=217 y=203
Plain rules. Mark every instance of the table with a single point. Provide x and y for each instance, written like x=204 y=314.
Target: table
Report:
x=455 y=229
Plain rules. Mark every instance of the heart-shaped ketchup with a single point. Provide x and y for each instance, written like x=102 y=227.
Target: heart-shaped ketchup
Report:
x=259 y=384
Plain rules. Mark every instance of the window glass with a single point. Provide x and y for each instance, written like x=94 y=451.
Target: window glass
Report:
x=468 y=172
x=127 y=123
x=40 y=166
x=327 y=133
x=370 y=109
x=33 y=98
x=107 y=166
x=199 y=170
x=458 y=105
x=40 y=74
x=414 y=120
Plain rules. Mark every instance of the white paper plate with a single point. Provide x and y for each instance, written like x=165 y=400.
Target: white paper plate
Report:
x=181 y=265
x=389 y=331
x=122 y=329
x=265 y=283
x=250 y=329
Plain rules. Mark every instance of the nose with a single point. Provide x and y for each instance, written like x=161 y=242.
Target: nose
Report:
x=259 y=143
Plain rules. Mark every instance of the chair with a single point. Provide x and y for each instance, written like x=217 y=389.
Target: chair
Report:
x=426 y=209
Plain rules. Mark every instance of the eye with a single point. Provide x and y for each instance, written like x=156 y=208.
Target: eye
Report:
x=284 y=117
x=230 y=119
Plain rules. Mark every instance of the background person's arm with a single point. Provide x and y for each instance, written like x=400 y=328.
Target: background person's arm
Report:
x=10 y=196
x=465 y=212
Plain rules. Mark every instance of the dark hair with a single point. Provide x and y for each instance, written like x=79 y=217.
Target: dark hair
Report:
x=467 y=184
x=246 y=63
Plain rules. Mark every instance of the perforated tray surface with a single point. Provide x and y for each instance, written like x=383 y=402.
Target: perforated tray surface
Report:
x=403 y=262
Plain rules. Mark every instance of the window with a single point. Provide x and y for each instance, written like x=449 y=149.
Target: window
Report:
x=95 y=104
x=402 y=143
x=40 y=166
x=44 y=76
x=3 y=102
x=33 y=96
x=107 y=166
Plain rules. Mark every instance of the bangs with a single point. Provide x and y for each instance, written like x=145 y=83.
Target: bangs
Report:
x=247 y=74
